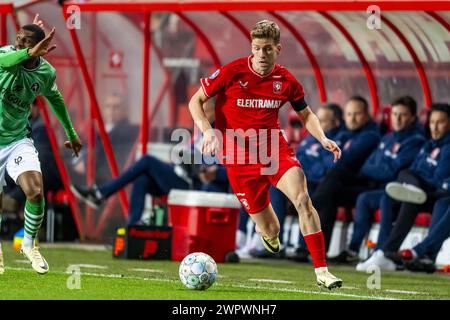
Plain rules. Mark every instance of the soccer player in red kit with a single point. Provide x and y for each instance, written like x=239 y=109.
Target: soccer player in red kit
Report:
x=249 y=93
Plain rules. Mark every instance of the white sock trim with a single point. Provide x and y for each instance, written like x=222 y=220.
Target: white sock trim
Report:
x=28 y=241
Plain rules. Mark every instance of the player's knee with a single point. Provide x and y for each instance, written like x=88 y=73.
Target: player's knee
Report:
x=303 y=203
x=34 y=193
x=302 y=199
x=147 y=159
x=362 y=200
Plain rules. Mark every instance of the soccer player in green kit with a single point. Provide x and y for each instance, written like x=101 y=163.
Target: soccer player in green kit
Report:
x=24 y=75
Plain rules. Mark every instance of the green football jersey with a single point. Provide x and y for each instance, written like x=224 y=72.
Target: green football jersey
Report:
x=19 y=87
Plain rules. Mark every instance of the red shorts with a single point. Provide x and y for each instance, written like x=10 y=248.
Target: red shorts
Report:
x=252 y=188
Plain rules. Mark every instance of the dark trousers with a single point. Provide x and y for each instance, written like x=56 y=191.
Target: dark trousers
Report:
x=408 y=211
x=149 y=175
x=438 y=232
x=340 y=187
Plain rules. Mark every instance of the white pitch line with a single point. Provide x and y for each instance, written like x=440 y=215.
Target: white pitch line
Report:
x=271 y=281
x=22 y=261
x=103 y=275
x=146 y=270
x=90 y=266
x=406 y=292
x=316 y=292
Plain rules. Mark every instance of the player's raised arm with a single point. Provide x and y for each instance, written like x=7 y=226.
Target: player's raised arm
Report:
x=210 y=144
x=59 y=109
x=22 y=51
x=313 y=126
x=9 y=58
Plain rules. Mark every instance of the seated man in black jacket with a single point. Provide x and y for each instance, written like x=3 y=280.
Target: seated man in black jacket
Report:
x=356 y=143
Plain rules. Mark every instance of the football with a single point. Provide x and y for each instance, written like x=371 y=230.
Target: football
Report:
x=198 y=271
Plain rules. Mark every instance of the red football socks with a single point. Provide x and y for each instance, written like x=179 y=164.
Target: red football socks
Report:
x=316 y=247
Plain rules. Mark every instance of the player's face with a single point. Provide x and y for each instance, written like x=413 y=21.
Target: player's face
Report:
x=401 y=117
x=355 y=116
x=326 y=119
x=25 y=39
x=439 y=124
x=265 y=52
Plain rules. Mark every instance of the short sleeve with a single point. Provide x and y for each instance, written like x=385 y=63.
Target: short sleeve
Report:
x=297 y=96
x=215 y=83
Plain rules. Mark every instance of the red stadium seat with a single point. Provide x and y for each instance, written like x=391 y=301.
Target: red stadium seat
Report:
x=60 y=197
x=162 y=200
x=423 y=219
x=343 y=214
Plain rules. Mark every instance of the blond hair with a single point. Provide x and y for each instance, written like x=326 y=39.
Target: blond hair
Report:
x=266 y=29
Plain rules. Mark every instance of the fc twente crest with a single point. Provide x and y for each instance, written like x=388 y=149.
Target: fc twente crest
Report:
x=277 y=86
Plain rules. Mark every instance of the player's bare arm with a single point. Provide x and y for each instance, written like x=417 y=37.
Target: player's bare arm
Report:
x=210 y=143
x=312 y=124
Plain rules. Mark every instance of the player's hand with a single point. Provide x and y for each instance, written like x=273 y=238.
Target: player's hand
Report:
x=75 y=145
x=210 y=143
x=331 y=146
x=38 y=22
x=43 y=47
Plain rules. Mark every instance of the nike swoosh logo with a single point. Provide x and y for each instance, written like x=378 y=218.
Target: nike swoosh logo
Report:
x=271 y=248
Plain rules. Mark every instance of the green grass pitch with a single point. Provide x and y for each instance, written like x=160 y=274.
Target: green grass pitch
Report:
x=103 y=277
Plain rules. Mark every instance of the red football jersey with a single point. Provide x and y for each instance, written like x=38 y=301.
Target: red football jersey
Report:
x=249 y=101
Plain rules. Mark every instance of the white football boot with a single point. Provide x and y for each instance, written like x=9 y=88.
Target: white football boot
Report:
x=406 y=192
x=326 y=280
x=38 y=262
